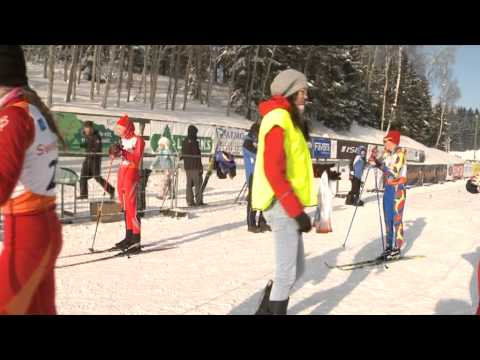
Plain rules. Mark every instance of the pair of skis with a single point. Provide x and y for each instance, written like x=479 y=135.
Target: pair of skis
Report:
x=372 y=262
x=118 y=253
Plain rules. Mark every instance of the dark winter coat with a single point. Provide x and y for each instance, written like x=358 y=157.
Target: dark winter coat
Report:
x=191 y=147
x=93 y=144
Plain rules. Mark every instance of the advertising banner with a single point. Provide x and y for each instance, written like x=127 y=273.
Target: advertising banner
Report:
x=347 y=149
x=320 y=148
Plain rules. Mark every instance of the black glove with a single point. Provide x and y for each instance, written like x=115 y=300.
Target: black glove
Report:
x=334 y=175
x=115 y=150
x=304 y=222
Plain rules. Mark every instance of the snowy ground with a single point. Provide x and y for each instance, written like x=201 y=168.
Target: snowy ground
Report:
x=210 y=264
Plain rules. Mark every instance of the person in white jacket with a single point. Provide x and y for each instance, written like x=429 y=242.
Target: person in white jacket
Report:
x=163 y=166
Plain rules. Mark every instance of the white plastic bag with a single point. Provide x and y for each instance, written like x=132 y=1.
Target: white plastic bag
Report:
x=326 y=194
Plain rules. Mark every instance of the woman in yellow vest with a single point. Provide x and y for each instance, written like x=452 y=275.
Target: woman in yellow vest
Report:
x=283 y=183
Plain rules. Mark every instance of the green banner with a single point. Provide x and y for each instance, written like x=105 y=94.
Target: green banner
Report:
x=206 y=143
x=71 y=126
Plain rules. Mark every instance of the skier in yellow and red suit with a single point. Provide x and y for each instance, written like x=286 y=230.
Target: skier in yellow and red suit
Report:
x=394 y=167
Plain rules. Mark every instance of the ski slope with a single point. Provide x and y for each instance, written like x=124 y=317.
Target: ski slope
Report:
x=210 y=264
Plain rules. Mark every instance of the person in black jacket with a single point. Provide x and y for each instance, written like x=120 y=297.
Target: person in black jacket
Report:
x=249 y=155
x=91 y=164
x=192 y=161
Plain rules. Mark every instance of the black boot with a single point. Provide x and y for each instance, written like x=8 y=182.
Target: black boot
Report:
x=128 y=236
x=264 y=227
x=254 y=229
x=385 y=254
x=357 y=201
x=349 y=200
x=279 y=307
x=263 y=309
x=133 y=246
x=262 y=223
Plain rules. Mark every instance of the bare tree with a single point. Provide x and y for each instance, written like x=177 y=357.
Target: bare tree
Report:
x=440 y=75
x=45 y=62
x=120 y=75
x=269 y=66
x=385 y=88
x=130 y=71
x=252 y=82
x=81 y=52
x=94 y=71
x=71 y=77
x=153 y=74
x=113 y=51
x=212 y=65
x=143 y=82
x=177 y=73
x=188 y=69
x=231 y=83
x=198 y=72
x=397 y=89
x=170 y=75
x=372 y=69
x=65 y=63
x=98 y=73
x=78 y=70
x=51 y=73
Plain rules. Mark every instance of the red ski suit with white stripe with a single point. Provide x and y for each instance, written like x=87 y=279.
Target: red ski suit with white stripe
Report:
x=129 y=176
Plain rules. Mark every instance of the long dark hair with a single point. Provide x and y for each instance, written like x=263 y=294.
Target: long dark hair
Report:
x=32 y=97
x=298 y=120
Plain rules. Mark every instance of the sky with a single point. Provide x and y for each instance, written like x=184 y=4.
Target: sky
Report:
x=467 y=72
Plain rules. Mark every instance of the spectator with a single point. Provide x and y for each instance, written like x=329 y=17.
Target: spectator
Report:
x=163 y=165
x=192 y=161
x=92 y=163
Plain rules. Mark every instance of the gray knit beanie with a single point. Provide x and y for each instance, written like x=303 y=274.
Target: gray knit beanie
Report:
x=288 y=82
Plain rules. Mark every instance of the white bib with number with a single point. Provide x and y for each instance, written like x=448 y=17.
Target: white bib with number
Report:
x=39 y=166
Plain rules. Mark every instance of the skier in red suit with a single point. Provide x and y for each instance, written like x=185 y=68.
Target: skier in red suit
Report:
x=32 y=237
x=131 y=152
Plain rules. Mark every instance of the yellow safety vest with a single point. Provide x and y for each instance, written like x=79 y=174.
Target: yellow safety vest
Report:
x=298 y=163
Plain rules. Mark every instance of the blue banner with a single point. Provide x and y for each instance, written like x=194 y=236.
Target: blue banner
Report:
x=321 y=148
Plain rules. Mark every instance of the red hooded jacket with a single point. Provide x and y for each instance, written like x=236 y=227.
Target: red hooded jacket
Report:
x=275 y=163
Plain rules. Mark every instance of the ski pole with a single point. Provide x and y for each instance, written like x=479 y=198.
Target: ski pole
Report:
x=240 y=193
x=356 y=207
x=99 y=211
x=381 y=225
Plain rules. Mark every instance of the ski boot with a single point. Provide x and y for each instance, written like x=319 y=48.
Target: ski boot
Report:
x=264 y=227
x=128 y=236
x=390 y=254
x=133 y=246
x=254 y=229
x=357 y=201
x=279 y=307
x=349 y=200
x=394 y=254
x=263 y=308
x=385 y=254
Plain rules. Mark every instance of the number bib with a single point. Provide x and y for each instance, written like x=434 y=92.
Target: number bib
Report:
x=35 y=189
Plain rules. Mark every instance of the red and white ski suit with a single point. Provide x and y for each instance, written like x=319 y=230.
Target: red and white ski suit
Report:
x=129 y=176
x=32 y=237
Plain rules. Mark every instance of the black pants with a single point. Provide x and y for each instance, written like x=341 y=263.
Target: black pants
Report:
x=252 y=214
x=355 y=191
x=194 y=179
x=87 y=174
